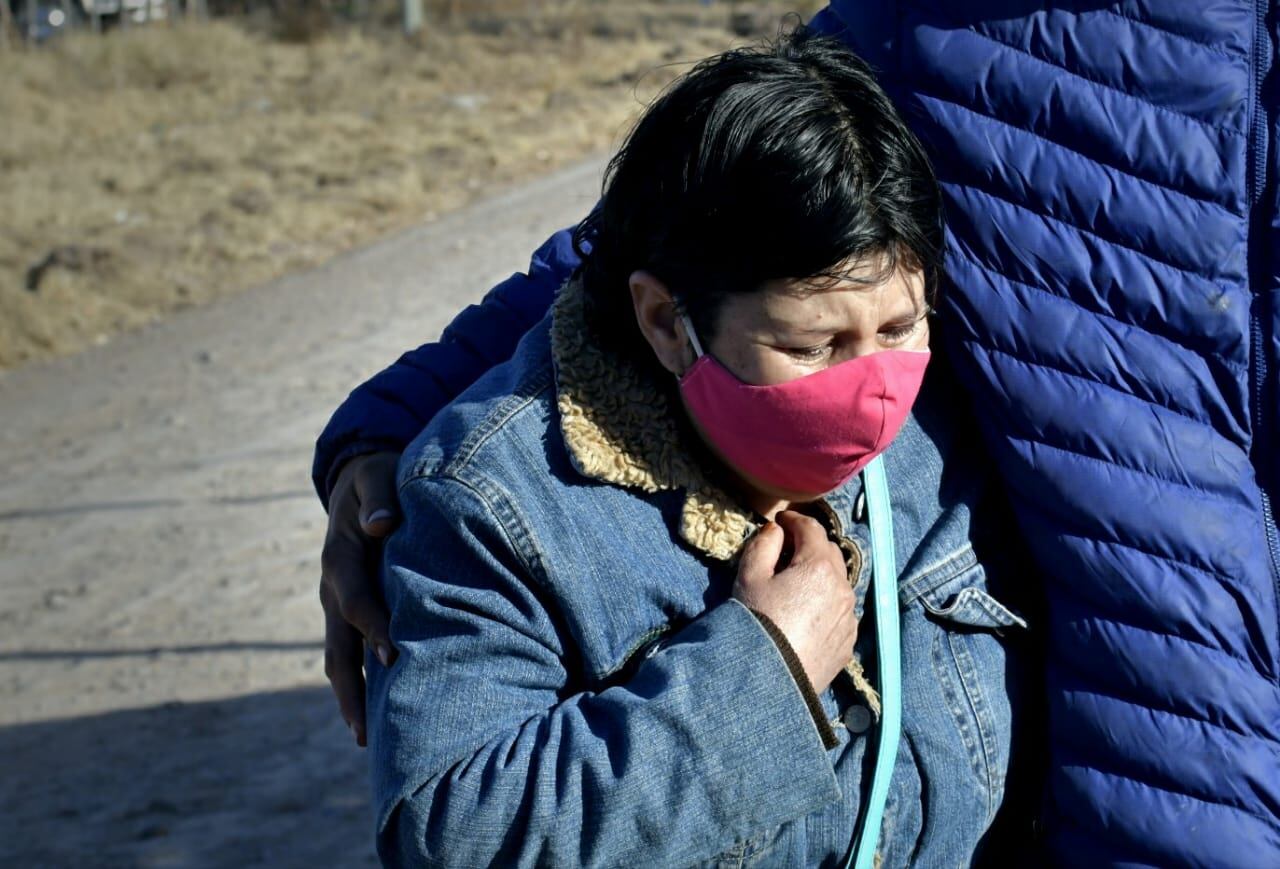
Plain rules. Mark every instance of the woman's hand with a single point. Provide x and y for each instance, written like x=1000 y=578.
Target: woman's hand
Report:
x=809 y=599
x=363 y=509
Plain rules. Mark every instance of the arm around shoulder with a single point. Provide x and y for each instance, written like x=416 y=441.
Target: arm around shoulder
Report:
x=387 y=411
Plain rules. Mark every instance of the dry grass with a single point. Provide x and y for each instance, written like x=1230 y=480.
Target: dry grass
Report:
x=149 y=170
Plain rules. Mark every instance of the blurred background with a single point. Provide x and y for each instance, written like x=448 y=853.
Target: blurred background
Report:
x=216 y=218
x=184 y=152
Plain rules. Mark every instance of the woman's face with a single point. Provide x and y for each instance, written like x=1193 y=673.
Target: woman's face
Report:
x=786 y=330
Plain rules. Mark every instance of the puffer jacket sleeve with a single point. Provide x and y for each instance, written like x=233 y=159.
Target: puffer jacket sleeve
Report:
x=868 y=28
x=488 y=750
x=387 y=411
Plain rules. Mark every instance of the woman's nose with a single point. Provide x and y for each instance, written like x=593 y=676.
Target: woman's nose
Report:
x=863 y=346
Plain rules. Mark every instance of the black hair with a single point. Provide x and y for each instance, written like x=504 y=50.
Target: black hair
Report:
x=780 y=161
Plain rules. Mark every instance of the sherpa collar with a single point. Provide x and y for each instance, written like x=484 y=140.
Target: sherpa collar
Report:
x=620 y=426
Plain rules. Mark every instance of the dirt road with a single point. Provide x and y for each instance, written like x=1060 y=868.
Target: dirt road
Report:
x=161 y=696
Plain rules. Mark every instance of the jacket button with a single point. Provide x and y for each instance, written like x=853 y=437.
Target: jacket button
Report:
x=857 y=719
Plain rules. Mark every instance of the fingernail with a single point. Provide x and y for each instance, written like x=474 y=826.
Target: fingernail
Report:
x=383 y=653
x=378 y=516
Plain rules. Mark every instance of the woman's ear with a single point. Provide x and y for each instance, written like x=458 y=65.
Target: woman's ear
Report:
x=659 y=322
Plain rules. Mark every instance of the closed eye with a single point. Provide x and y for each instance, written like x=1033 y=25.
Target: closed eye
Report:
x=809 y=354
x=900 y=332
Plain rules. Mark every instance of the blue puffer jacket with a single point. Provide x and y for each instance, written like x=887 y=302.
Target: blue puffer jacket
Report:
x=1109 y=170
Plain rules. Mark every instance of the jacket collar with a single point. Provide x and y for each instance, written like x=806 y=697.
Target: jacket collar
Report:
x=620 y=425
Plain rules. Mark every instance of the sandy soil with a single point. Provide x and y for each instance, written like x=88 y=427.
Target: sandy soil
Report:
x=161 y=696
x=153 y=170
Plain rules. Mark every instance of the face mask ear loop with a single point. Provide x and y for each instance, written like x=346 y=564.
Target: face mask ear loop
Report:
x=693 y=336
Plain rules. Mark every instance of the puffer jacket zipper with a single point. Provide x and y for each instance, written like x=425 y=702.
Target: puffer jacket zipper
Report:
x=1259 y=266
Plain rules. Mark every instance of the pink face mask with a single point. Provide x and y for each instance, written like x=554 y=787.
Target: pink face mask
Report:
x=812 y=434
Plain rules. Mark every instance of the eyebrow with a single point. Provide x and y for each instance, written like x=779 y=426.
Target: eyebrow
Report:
x=917 y=313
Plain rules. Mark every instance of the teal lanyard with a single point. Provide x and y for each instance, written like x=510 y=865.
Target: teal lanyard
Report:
x=884 y=586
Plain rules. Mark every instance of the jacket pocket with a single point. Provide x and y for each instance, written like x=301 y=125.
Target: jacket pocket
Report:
x=973 y=607
x=972 y=650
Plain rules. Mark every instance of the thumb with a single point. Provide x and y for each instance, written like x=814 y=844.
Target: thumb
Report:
x=761 y=553
x=375 y=485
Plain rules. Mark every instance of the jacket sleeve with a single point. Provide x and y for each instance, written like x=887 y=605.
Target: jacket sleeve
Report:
x=868 y=28
x=487 y=749
x=387 y=411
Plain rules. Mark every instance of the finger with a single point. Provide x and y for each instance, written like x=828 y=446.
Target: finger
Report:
x=807 y=536
x=349 y=574
x=343 y=667
x=375 y=486
x=761 y=553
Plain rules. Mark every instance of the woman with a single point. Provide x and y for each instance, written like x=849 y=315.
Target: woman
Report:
x=1109 y=173
x=627 y=633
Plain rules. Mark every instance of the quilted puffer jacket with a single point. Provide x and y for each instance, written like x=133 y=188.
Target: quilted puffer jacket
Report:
x=1114 y=265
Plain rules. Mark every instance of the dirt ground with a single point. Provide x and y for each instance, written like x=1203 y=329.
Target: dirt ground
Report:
x=162 y=700
x=158 y=168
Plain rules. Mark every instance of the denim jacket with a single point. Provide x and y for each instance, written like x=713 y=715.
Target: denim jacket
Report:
x=575 y=685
